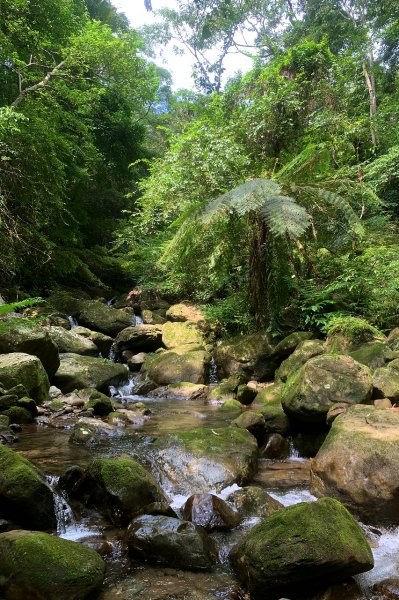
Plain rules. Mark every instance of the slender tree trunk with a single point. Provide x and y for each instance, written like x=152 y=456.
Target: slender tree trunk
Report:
x=259 y=270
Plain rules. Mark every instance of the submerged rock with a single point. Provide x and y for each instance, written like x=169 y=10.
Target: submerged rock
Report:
x=303 y=546
x=88 y=431
x=77 y=372
x=26 y=369
x=210 y=511
x=204 y=459
x=170 y=542
x=39 y=566
x=358 y=463
x=25 y=496
x=183 y=390
x=254 y=501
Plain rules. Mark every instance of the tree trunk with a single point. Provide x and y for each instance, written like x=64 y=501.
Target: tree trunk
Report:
x=259 y=270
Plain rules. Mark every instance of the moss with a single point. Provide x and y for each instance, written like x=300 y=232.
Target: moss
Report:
x=353 y=329
x=17 y=414
x=4 y=421
x=179 y=334
x=271 y=393
x=372 y=354
x=101 y=405
x=231 y=404
x=8 y=401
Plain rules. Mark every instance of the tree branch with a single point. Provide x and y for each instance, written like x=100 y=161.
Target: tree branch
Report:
x=38 y=85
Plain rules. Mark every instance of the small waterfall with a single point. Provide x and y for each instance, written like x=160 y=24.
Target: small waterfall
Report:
x=124 y=390
x=213 y=375
x=72 y=321
x=112 y=353
x=138 y=320
x=63 y=512
x=111 y=302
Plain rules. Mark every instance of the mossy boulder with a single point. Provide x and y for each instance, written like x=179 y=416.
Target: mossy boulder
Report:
x=201 y=460
x=26 y=369
x=18 y=414
x=180 y=334
x=171 y=542
x=245 y=394
x=139 y=338
x=70 y=341
x=373 y=354
x=386 y=382
x=25 y=496
x=227 y=389
x=184 y=312
x=324 y=380
x=7 y=401
x=304 y=352
x=100 y=403
x=253 y=422
x=170 y=367
x=303 y=546
x=290 y=343
x=271 y=393
x=39 y=566
x=239 y=354
x=358 y=463
x=253 y=501
x=275 y=419
x=77 y=372
x=100 y=340
x=89 y=432
x=105 y=319
x=120 y=488
x=31 y=339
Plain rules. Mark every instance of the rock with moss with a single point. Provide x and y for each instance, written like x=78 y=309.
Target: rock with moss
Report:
x=100 y=403
x=386 y=382
x=183 y=390
x=253 y=422
x=18 y=414
x=253 y=501
x=231 y=405
x=170 y=367
x=26 y=369
x=171 y=542
x=7 y=401
x=121 y=489
x=105 y=319
x=205 y=459
x=100 y=340
x=90 y=432
x=299 y=547
x=139 y=338
x=324 y=380
x=184 y=312
x=372 y=354
x=239 y=354
x=227 y=389
x=25 y=496
x=345 y=334
x=44 y=567
x=271 y=393
x=78 y=372
x=69 y=303
x=71 y=341
x=290 y=343
x=358 y=463
x=7 y=436
x=304 y=352
x=245 y=394
x=275 y=419
x=180 y=334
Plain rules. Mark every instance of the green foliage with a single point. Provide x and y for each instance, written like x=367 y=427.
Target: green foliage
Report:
x=13 y=306
x=354 y=329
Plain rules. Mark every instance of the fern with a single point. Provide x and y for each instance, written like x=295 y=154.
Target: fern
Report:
x=12 y=306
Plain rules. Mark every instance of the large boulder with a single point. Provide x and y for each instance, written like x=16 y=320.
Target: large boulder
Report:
x=121 y=489
x=386 y=381
x=210 y=512
x=100 y=340
x=77 y=372
x=104 y=318
x=173 y=367
x=185 y=312
x=139 y=338
x=239 y=354
x=372 y=354
x=39 y=566
x=304 y=352
x=290 y=343
x=25 y=496
x=306 y=545
x=180 y=334
x=358 y=463
x=31 y=339
x=70 y=341
x=26 y=369
x=171 y=542
x=324 y=380
x=202 y=460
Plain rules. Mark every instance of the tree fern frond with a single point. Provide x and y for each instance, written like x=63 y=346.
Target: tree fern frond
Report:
x=313 y=160
x=284 y=216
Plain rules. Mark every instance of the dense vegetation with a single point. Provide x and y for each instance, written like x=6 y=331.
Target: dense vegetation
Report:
x=273 y=200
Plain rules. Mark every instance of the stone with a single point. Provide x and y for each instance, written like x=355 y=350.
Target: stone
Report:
x=77 y=372
x=276 y=420
x=100 y=340
x=290 y=343
x=171 y=367
x=210 y=512
x=304 y=352
x=269 y=394
x=372 y=354
x=135 y=361
x=120 y=488
x=31 y=339
x=170 y=542
x=152 y=318
x=139 y=338
x=18 y=414
x=336 y=409
x=103 y=318
x=44 y=567
x=254 y=501
x=70 y=341
x=88 y=432
x=239 y=354
x=26 y=369
x=386 y=382
x=245 y=394
x=358 y=463
x=308 y=544
x=205 y=459
x=254 y=422
x=184 y=312
x=323 y=381
x=25 y=496
x=180 y=334
x=276 y=447
x=183 y=390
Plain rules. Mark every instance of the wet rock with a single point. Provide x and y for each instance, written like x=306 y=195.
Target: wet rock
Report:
x=171 y=542
x=283 y=475
x=276 y=446
x=17 y=414
x=348 y=590
x=71 y=481
x=205 y=459
x=358 y=463
x=227 y=389
x=7 y=435
x=387 y=589
x=26 y=369
x=171 y=367
x=183 y=391
x=88 y=431
x=253 y=422
x=100 y=403
x=329 y=546
x=239 y=354
x=245 y=394
x=254 y=501
x=105 y=319
x=304 y=352
x=210 y=512
x=77 y=372
x=184 y=312
x=323 y=381
x=25 y=497
x=44 y=567
x=70 y=341
x=135 y=361
x=100 y=340
x=34 y=340
x=276 y=420
x=180 y=334
x=139 y=338
x=120 y=488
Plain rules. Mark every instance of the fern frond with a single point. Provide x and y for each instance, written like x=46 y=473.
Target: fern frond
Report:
x=284 y=216
x=312 y=161
x=12 y=306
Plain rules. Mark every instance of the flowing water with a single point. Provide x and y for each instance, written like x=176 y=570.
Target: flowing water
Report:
x=286 y=481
